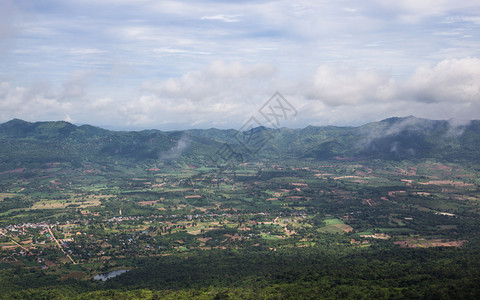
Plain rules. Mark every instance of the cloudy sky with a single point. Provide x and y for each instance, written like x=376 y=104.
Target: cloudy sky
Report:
x=198 y=64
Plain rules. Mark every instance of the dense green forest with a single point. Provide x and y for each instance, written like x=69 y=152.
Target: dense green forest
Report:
x=251 y=274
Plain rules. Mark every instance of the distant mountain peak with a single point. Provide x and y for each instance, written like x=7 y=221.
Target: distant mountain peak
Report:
x=399 y=119
x=17 y=121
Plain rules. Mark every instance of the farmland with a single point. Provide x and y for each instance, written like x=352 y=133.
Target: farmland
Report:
x=119 y=220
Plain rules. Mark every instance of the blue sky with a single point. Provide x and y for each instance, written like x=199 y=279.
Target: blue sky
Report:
x=200 y=64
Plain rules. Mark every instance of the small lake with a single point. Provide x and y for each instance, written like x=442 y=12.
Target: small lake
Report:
x=106 y=276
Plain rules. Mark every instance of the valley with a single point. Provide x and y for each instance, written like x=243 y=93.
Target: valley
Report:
x=71 y=220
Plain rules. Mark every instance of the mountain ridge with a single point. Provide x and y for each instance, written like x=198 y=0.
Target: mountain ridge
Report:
x=391 y=139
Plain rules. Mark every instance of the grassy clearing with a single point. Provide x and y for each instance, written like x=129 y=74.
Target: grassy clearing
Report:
x=7 y=195
x=397 y=230
x=12 y=211
x=269 y=236
x=335 y=226
x=61 y=204
x=333 y=222
x=49 y=204
x=368 y=232
x=331 y=229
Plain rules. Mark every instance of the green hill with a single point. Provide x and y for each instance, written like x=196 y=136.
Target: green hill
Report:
x=390 y=139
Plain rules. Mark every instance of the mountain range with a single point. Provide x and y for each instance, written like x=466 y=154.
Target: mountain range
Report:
x=390 y=139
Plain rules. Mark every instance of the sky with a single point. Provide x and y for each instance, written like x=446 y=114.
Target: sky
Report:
x=142 y=64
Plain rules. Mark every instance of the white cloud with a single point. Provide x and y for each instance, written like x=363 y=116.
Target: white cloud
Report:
x=180 y=51
x=102 y=104
x=219 y=81
x=224 y=18
x=76 y=84
x=455 y=80
x=226 y=94
x=218 y=94
x=413 y=11
x=448 y=90
x=85 y=51
x=44 y=101
x=181 y=145
x=474 y=19
x=34 y=103
x=349 y=86
x=350 y=9
x=451 y=80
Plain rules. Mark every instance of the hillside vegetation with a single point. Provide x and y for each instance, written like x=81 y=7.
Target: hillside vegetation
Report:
x=390 y=139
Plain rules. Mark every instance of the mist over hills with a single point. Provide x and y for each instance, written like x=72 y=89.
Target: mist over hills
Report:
x=391 y=139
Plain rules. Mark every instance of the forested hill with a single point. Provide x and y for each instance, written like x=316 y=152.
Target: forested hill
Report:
x=391 y=139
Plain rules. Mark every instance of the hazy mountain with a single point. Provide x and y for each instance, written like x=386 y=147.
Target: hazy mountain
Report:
x=393 y=138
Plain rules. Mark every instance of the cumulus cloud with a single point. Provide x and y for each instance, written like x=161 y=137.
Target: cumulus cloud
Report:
x=221 y=94
x=218 y=94
x=43 y=100
x=451 y=80
x=226 y=94
x=35 y=103
x=218 y=79
x=343 y=85
x=449 y=89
